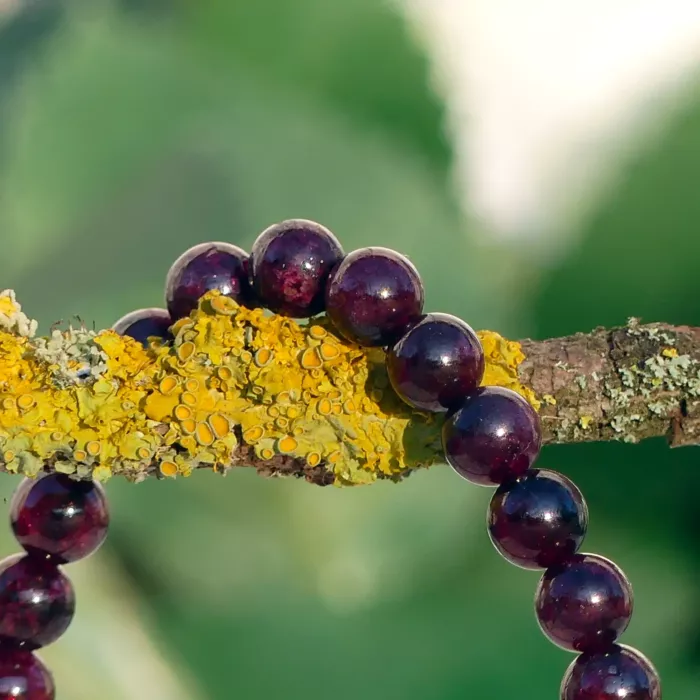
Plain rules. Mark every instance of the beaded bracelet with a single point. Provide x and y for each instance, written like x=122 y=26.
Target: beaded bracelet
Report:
x=537 y=518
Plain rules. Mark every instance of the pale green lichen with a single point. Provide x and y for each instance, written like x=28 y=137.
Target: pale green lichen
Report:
x=12 y=319
x=665 y=371
x=73 y=356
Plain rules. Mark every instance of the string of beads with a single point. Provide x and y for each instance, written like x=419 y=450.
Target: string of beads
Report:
x=537 y=518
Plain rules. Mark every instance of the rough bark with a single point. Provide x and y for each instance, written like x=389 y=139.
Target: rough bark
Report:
x=629 y=383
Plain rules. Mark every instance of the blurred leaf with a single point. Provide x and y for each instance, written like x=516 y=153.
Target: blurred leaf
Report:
x=639 y=251
x=356 y=57
x=153 y=78
x=74 y=135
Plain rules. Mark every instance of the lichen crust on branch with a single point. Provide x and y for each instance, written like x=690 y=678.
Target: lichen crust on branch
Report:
x=627 y=384
x=237 y=387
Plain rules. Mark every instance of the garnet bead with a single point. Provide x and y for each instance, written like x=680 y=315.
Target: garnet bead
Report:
x=495 y=436
x=617 y=674
x=538 y=520
x=145 y=323
x=59 y=518
x=436 y=363
x=374 y=296
x=36 y=600
x=204 y=268
x=584 y=604
x=290 y=264
x=23 y=676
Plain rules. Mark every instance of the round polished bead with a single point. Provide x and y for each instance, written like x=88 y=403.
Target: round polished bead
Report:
x=143 y=324
x=23 y=676
x=495 y=436
x=436 y=363
x=621 y=673
x=37 y=602
x=374 y=296
x=204 y=268
x=290 y=263
x=584 y=604
x=59 y=518
x=538 y=520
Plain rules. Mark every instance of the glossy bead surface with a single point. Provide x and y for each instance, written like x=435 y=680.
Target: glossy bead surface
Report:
x=436 y=364
x=203 y=268
x=36 y=600
x=290 y=263
x=145 y=323
x=495 y=436
x=374 y=296
x=23 y=676
x=59 y=518
x=584 y=604
x=538 y=520
x=622 y=673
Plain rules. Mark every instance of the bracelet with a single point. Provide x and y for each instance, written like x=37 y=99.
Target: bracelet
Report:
x=373 y=297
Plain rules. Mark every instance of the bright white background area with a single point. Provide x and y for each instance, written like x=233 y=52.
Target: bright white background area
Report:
x=545 y=98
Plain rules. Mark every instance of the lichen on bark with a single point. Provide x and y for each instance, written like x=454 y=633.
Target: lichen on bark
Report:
x=240 y=387
x=627 y=383
x=236 y=387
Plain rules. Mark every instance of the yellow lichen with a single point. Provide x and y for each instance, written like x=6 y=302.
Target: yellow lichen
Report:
x=503 y=357
x=168 y=468
x=102 y=404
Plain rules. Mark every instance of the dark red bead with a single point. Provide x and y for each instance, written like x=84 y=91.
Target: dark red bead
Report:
x=584 y=604
x=23 y=676
x=374 y=296
x=36 y=600
x=59 y=518
x=622 y=673
x=538 y=520
x=143 y=324
x=436 y=364
x=204 y=268
x=290 y=263
x=495 y=436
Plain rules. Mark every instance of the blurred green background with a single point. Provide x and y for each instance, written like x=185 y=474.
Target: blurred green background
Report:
x=133 y=129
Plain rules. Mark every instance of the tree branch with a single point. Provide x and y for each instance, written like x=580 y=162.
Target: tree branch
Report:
x=237 y=387
x=628 y=383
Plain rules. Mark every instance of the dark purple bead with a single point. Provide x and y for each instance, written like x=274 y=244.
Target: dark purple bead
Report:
x=290 y=263
x=59 y=518
x=436 y=364
x=143 y=324
x=584 y=604
x=538 y=520
x=495 y=436
x=622 y=673
x=36 y=600
x=23 y=676
x=203 y=268
x=374 y=296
